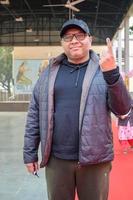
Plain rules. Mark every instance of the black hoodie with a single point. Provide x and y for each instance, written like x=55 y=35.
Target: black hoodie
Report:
x=67 y=94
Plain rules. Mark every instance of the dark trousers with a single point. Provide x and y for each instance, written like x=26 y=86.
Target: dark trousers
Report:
x=64 y=177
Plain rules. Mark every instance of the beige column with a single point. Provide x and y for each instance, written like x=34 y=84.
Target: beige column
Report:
x=126 y=45
x=120 y=49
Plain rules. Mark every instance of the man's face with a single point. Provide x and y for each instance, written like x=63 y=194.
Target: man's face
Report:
x=76 y=49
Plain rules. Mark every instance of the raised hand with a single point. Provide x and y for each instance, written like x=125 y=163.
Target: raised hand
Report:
x=107 y=60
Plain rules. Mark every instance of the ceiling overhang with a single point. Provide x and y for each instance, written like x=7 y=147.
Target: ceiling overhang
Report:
x=31 y=23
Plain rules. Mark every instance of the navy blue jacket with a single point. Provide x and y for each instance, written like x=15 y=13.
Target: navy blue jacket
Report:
x=98 y=100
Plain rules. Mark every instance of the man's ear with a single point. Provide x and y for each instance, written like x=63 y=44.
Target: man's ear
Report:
x=90 y=37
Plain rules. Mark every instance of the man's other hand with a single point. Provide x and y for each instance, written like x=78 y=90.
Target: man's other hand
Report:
x=32 y=167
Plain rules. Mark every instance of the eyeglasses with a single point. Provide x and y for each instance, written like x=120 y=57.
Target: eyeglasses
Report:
x=78 y=36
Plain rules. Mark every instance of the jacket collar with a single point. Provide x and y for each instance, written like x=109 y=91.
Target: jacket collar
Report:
x=57 y=60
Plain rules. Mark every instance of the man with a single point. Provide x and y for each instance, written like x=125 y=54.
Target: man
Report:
x=70 y=114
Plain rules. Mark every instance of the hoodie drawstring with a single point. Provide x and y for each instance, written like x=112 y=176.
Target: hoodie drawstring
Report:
x=77 y=68
x=77 y=78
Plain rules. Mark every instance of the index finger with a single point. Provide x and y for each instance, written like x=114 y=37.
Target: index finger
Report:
x=109 y=44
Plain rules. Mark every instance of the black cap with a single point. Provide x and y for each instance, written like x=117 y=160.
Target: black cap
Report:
x=72 y=23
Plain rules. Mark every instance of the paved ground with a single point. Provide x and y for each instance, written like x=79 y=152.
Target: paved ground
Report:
x=15 y=182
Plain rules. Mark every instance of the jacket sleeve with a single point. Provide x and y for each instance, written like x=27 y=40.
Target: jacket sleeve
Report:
x=119 y=99
x=32 y=135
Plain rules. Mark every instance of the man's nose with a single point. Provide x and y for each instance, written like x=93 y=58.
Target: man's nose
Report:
x=74 y=39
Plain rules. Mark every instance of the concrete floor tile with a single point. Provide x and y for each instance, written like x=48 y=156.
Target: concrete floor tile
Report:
x=15 y=182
